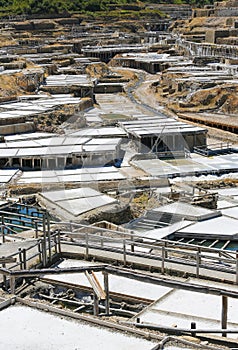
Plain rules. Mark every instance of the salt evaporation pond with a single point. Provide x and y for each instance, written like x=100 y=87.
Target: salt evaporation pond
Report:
x=24 y=328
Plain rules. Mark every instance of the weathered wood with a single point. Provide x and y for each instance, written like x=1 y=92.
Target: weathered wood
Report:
x=40 y=252
x=4 y=276
x=12 y=284
x=7 y=260
x=95 y=285
x=24 y=258
x=20 y=259
x=169 y=283
x=51 y=271
x=119 y=312
x=14 y=214
x=124 y=252
x=4 y=304
x=82 y=307
x=59 y=243
x=132 y=245
x=101 y=235
x=87 y=244
x=3 y=230
x=178 y=331
x=64 y=300
x=236 y=267
x=95 y=304
x=193 y=326
x=163 y=260
x=198 y=260
x=224 y=314
x=106 y=288
x=49 y=237
x=44 y=251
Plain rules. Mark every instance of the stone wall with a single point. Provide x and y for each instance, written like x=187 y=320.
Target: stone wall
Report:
x=17 y=128
x=212 y=35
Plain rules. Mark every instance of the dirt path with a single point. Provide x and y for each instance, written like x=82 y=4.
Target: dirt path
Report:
x=142 y=93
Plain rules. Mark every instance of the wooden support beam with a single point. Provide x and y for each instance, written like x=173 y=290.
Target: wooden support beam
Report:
x=124 y=252
x=7 y=260
x=224 y=314
x=87 y=247
x=237 y=267
x=48 y=236
x=3 y=229
x=95 y=304
x=59 y=242
x=178 y=331
x=4 y=276
x=193 y=326
x=169 y=283
x=51 y=271
x=98 y=290
x=44 y=253
x=106 y=288
x=198 y=260
x=12 y=284
x=20 y=259
x=24 y=258
x=163 y=259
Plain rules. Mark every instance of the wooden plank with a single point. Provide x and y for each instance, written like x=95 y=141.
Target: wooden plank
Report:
x=224 y=314
x=178 y=330
x=106 y=288
x=99 y=292
x=52 y=271
x=7 y=260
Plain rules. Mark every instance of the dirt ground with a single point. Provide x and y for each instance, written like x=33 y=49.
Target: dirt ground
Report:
x=146 y=94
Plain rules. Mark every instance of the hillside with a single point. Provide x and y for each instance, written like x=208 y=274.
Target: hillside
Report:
x=64 y=7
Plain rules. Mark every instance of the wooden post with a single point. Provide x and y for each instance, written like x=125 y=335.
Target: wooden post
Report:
x=20 y=259
x=198 y=259
x=4 y=276
x=193 y=326
x=132 y=245
x=224 y=314
x=24 y=258
x=237 y=267
x=95 y=305
x=124 y=252
x=40 y=252
x=44 y=254
x=3 y=230
x=106 y=289
x=59 y=243
x=12 y=285
x=48 y=236
x=163 y=258
x=101 y=239
x=165 y=250
x=86 y=241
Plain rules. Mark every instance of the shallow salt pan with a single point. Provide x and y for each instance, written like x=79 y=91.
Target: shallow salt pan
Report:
x=23 y=328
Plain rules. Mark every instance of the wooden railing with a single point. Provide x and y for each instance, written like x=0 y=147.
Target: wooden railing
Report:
x=164 y=255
